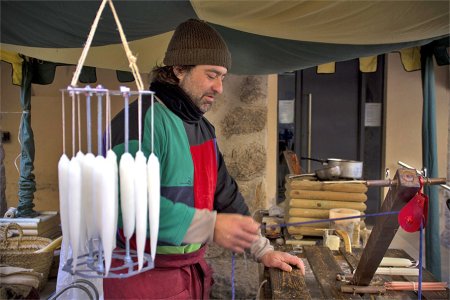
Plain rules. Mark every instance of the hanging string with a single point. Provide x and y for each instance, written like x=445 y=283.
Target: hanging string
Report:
x=140 y=120
x=73 y=124
x=126 y=96
x=233 y=261
x=83 y=56
x=99 y=124
x=63 y=123
x=79 y=123
x=88 y=121
x=419 y=293
x=107 y=122
x=152 y=122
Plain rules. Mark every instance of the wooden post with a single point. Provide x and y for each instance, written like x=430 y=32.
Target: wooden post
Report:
x=407 y=185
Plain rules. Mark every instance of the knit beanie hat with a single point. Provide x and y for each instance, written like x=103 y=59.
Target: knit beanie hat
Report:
x=196 y=43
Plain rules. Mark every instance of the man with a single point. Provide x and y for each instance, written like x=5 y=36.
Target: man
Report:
x=200 y=201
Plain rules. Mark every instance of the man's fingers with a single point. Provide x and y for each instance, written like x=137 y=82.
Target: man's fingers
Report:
x=296 y=261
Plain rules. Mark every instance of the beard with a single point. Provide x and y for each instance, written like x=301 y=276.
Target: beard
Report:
x=197 y=97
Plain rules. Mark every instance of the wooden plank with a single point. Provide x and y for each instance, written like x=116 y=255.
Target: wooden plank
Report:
x=288 y=285
x=325 y=269
x=313 y=285
x=407 y=185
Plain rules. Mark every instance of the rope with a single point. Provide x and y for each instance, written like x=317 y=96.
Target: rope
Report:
x=83 y=56
x=131 y=58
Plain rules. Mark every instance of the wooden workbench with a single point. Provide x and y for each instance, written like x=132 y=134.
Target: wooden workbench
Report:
x=322 y=266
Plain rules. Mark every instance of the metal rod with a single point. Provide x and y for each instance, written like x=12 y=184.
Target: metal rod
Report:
x=387 y=182
x=309 y=129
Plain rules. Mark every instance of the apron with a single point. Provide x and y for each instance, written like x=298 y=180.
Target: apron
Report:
x=175 y=276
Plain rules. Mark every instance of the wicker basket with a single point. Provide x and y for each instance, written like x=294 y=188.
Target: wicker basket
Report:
x=20 y=252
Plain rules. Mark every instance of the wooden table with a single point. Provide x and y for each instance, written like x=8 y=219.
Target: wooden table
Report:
x=323 y=265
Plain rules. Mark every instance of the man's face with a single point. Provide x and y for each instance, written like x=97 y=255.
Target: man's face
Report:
x=202 y=83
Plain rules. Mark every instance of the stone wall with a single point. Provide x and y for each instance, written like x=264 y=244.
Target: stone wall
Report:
x=240 y=118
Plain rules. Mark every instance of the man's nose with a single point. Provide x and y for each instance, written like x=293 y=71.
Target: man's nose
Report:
x=218 y=86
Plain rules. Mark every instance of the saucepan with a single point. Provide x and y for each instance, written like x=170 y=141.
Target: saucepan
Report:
x=328 y=173
x=351 y=169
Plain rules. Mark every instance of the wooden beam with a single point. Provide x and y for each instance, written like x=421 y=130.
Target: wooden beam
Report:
x=407 y=185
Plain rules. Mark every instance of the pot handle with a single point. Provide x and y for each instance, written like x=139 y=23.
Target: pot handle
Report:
x=323 y=161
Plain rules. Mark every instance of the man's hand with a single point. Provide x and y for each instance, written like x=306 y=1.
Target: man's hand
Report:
x=235 y=232
x=282 y=260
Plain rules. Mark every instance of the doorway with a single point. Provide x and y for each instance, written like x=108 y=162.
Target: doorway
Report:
x=335 y=115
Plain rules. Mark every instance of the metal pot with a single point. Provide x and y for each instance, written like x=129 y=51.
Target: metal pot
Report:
x=351 y=169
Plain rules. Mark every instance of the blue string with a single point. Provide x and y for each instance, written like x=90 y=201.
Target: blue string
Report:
x=420 y=261
x=232 y=276
x=329 y=220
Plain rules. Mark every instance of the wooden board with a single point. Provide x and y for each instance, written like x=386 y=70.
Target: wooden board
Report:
x=325 y=270
x=288 y=285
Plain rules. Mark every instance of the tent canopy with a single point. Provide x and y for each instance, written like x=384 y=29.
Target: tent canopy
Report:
x=263 y=36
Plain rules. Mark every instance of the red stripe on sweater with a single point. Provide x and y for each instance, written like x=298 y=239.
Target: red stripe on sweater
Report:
x=205 y=174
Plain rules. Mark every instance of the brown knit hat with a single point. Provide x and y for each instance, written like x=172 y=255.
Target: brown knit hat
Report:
x=196 y=43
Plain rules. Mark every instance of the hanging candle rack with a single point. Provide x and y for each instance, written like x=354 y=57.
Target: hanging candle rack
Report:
x=95 y=261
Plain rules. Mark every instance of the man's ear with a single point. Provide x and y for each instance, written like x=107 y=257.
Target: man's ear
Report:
x=178 y=71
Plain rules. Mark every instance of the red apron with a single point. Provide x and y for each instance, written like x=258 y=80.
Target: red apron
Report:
x=175 y=276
